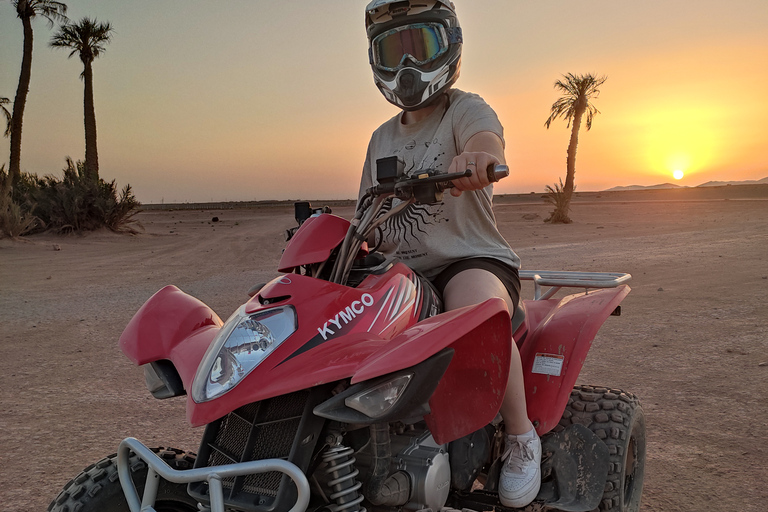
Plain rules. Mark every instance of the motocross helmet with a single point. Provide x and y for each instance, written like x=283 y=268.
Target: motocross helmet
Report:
x=414 y=48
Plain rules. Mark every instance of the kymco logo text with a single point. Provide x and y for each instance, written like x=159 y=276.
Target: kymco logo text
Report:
x=345 y=316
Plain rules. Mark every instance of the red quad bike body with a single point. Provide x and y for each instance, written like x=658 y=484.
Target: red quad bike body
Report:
x=344 y=333
x=344 y=385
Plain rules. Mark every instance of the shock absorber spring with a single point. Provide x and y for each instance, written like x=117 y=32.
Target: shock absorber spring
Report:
x=343 y=486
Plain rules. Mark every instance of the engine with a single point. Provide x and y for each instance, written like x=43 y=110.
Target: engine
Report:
x=417 y=467
x=387 y=465
x=427 y=465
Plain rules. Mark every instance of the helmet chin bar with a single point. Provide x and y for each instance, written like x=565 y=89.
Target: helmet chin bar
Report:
x=412 y=89
x=409 y=85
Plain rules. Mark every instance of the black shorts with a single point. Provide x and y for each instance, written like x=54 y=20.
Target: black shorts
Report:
x=507 y=274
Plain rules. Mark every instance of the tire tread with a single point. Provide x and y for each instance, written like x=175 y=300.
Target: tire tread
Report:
x=609 y=414
x=83 y=493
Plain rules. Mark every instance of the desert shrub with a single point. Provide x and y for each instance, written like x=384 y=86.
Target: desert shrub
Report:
x=75 y=203
x=14 y=220
x=561 y=200
x=25 y=188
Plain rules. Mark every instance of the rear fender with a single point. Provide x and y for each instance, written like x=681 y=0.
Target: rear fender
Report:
x=554 y=353
x=171 y=325
x=470 y=392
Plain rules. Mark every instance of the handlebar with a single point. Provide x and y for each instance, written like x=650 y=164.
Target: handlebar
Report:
x=426 y=187
x=495 y=173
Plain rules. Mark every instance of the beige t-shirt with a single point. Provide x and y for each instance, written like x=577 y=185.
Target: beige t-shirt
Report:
x=430 y=237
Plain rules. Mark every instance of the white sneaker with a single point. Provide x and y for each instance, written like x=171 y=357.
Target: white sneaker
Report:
x=520 y=478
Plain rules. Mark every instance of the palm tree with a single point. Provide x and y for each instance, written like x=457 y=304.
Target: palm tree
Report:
x=8 y=117
x=577 y=91
x=88 y=39
x=26 y=10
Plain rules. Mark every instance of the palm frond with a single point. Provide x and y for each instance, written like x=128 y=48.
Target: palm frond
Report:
x=577 y=91
x=88 y=38
x=564 y=108
x=8 y=116
x=51 y=10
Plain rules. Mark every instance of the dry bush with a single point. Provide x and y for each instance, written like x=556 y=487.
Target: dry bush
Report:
x=14 y=222
x=77 y=203
x=561 y=200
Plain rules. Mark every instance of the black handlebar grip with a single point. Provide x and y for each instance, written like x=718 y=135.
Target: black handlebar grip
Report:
x=497 y=172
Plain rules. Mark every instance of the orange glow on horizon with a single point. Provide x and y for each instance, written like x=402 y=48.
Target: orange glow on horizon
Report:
x=671 y=113
x=684 y=92
x=684 y=139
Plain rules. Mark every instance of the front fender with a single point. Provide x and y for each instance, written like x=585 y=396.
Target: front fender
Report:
x=554 y=353
x=470 y=392
x=467 y=398
x=171 y=325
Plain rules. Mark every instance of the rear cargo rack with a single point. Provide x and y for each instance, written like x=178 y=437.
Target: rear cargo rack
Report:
x=567 y=279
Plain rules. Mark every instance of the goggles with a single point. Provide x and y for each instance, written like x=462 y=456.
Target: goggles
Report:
x=422 y=42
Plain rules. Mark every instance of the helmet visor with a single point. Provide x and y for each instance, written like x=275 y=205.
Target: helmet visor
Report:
x=422 y=42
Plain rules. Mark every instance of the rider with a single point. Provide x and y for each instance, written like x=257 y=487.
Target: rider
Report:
x=415 y=53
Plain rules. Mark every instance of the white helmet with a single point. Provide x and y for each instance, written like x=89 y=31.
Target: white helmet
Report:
x=414 y=47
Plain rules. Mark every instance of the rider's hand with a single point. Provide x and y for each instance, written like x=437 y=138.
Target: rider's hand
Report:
x=475 y=161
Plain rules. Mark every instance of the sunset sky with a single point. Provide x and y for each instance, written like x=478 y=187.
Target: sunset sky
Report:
x=265 y=99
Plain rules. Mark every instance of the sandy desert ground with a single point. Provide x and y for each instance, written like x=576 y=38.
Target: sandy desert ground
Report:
x=692 y=341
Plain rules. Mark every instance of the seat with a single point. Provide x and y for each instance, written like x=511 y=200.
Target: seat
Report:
x=519 y=317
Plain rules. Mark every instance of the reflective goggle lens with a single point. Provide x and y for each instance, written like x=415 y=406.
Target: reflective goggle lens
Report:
x=422 y=42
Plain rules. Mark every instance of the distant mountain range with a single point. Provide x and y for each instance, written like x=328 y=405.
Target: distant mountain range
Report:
x=763 y=181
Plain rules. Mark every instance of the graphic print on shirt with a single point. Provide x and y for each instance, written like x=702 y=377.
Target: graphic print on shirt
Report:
x=407 y=227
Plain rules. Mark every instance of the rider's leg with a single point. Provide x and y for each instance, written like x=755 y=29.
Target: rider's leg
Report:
x=520 y=477
x=473 y=286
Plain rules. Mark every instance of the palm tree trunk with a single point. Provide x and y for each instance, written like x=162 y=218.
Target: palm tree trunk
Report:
x=91 y=153
x=572 y=145
x=14 y=168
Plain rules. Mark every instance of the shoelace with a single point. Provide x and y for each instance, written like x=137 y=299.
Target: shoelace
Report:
x=517 y=454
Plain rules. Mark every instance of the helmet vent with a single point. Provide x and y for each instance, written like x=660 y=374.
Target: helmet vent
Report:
x=399 y=8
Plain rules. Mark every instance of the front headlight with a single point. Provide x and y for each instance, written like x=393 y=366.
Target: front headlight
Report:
x=375 y=402
x=243 y=342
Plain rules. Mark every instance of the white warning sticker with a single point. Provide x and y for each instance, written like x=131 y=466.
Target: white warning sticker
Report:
x=548 y=364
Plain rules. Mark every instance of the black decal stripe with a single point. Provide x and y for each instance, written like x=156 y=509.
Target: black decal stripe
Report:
x=419 y=290
x=313 y=343
x=318 y=339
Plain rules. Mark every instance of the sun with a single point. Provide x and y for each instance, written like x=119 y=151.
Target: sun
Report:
x=678 y=174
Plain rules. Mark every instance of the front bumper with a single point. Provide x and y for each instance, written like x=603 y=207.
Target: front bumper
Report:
x=157 y=469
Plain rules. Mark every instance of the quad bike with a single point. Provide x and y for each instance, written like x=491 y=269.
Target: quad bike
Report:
x=341 y=386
